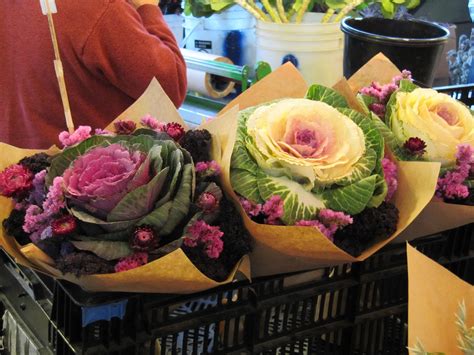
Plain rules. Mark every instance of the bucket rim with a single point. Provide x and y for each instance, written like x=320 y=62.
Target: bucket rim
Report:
x=348 y=29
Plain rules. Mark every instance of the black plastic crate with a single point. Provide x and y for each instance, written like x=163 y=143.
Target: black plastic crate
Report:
x=208 y=322
x=353 y=309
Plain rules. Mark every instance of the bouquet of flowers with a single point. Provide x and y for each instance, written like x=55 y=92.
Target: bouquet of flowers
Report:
x=424 y=125
x=134 y=208
x=311 y=179
x=440 y=308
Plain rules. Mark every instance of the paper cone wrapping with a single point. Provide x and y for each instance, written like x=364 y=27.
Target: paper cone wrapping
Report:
x=438 y=216
x=434 y=294
x=283 y=249
x=172 y=273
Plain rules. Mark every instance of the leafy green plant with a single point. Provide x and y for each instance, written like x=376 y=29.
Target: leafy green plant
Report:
x=286 y=11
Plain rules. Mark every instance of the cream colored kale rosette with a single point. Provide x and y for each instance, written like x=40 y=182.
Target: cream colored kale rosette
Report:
x=313 y=162
x=424 y=124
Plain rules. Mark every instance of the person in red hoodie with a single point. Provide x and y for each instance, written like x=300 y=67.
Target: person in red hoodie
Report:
x=110 y=49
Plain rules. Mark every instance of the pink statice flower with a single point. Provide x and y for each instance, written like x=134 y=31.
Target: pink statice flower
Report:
x=208 y=202
x=80 y=134
x=250 y=208
x=378 y=109
x=273 y=209
x=327 y=231
x=208 y=168
x=382 y=93
x=391 y=177
x=451 y=185
x=54 y=201
x=338 y=219
x=131 y=262
x=102 y=132
x=34 y=219
x=209 y=236
x=152 y=123
x=328 y=222
x=465 y=154
x=125 y=127
x=415 y=146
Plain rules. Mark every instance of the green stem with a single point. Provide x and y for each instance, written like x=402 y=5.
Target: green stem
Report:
x=328 y=15
x=250 y=9
x=262 y=14
x=271 y=11
x=281 y=11
x=349 y=7
x=302 y=11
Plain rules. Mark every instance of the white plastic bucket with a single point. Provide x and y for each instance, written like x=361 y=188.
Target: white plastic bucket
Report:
x=315 y=48
x=229 y=34
x=175 y=23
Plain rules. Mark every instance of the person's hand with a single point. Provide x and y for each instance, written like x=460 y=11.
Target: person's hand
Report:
x=137 y=3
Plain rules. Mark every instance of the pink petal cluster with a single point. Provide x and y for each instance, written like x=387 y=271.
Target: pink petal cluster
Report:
x=104 y=175
x=152 y=123
x=391 y=177
x=80 y=134
x=124 y=127
x=208 y=202
x=54 y=201
x=210 y=236
x=37 y=218
x=102 y=132
x=451 y=186
x=174 y=130
x=15 y=180
x=208 y=168
x=328 y=222
x=327 y=231
x=250 y=208
x=382 y=93
x=131 y=262
x=338 y=219
x=273 y=209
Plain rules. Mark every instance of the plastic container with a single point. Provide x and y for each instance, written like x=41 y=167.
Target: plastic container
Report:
x=229 y=34
x=175 y=22
x=412 y=45
x=315 y=48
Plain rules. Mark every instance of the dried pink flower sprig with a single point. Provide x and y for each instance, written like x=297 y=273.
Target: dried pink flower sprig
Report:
x=452 y=185
x=328 y=222
x=272 y=210
x=391 y=177
x=209 y=236
x=382 y=93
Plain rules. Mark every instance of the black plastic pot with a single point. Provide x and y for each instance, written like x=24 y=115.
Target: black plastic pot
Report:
x=413 y=45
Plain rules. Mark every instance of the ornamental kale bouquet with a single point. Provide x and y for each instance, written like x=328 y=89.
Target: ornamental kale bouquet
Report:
x=422 y=124
x=311 y=177
x=137 y=209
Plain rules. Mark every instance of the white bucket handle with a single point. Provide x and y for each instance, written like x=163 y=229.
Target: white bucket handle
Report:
x=185 y=40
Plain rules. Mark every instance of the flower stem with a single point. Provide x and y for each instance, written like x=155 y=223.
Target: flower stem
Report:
x=302 y=11
x=349 y=7
x=259 y=16
x=271 y=11
x=263 y=15
x=281 y=11
x=328 y=15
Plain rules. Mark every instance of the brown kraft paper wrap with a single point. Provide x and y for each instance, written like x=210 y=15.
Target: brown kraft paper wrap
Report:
x=283 y=249
x=434 y=294
x=172 y=273
x=438 y=215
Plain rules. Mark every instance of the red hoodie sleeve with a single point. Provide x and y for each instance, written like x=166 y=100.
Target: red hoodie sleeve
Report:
x=129 y=47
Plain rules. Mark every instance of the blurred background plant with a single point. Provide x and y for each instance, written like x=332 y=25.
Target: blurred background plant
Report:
x=284 y=11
